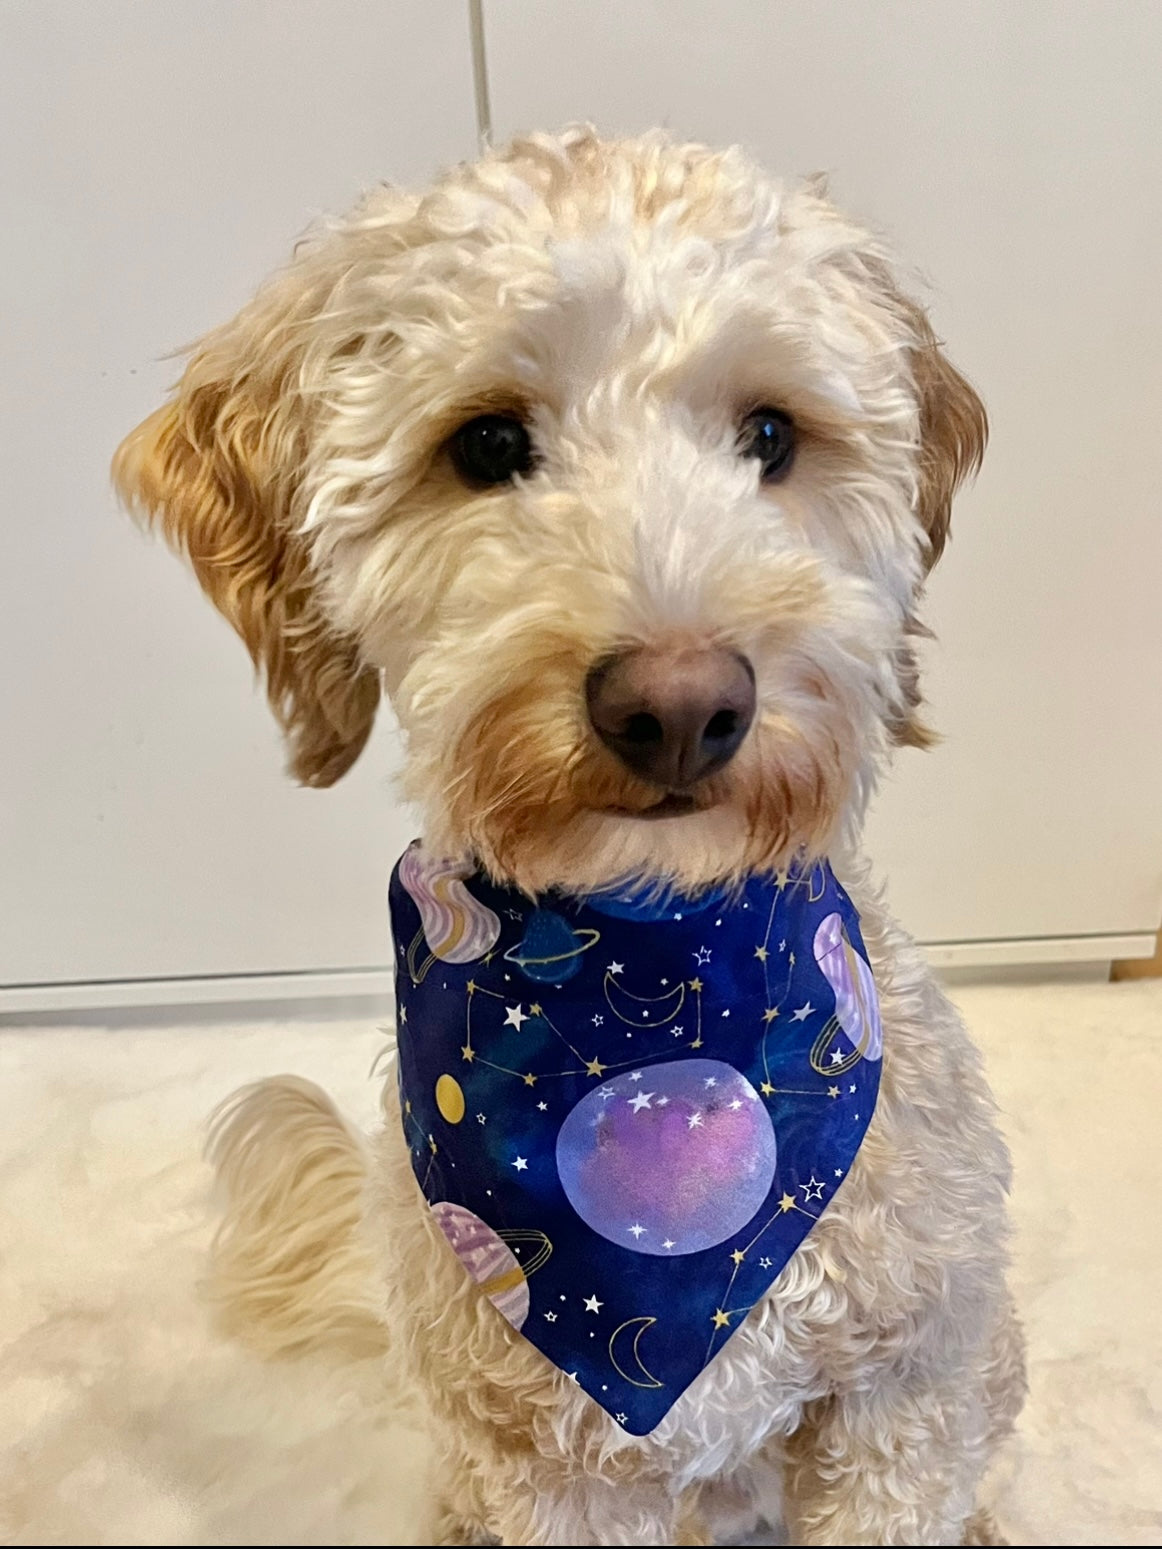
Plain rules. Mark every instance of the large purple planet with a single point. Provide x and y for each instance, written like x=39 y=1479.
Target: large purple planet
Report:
x=669 y=1159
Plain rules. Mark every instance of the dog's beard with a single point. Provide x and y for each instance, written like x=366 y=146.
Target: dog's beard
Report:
x=528 y=791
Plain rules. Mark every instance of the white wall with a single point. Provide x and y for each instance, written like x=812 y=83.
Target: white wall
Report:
x=157 y=158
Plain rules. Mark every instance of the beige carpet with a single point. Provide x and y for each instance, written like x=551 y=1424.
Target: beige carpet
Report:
x=124 y=1420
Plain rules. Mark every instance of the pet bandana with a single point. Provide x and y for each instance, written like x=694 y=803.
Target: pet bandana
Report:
x=626 y=1112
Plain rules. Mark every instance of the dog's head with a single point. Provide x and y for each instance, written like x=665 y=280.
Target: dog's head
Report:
x=619 y=465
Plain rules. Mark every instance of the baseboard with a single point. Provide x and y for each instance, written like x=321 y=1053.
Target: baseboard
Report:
x=1087 y=956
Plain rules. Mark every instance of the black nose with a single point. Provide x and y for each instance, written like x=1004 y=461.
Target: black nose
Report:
x=673 y=716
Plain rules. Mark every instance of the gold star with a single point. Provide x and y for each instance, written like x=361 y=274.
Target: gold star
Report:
x=432 y=1143
x=792 y=960
x=407 y=1107
x=530 y=1080
x=595 y=1068
x=695 y=984
x=721 y=1319
x=697 y=1044
x=738 y=1255
x=767 y=1089
x=471 y=986
x=770 y=1014
x=780 y=880
x=833 y=1091
x=468 y=1053
x=761 y=954
x=488 y=959
x=786 y=1203
x=535 y=1010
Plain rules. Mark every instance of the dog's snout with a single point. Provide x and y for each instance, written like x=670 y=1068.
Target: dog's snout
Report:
x=673 y=715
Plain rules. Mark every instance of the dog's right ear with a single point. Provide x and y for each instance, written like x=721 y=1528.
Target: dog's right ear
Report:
x=217 y=469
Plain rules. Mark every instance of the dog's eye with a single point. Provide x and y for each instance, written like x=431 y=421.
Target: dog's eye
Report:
x=491 y=449
x=769 y=435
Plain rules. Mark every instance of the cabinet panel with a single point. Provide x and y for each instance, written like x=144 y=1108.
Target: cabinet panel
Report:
x=156 y=161
x=1011 y=154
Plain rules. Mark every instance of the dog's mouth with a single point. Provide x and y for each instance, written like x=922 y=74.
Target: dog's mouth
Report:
x=674 y=805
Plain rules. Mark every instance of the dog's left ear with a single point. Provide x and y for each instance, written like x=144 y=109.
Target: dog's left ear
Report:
x=953 y=431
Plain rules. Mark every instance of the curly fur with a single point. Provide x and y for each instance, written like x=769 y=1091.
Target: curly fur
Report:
x=631 y=301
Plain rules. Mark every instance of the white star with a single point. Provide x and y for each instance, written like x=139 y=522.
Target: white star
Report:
x=694 y=1121
x=638 y=1231
x=782 y=946
x=635 y=1075
x=543 y=1107
x=615 y=968
x=645 y=1013
x=736 y=1103
x=837 y=1056
x=803 y=1013
x=812 y=1190
x=851 y=1088
x=597 y=1021
x=480 y=1119
x=665 y=982
x=710 y=1081
x=765 y=1263
x=662 y=1101
x=702 y=955
x=642 y=1100
x=605 y=1092
x=550 y=1317
x=678 y=1031
x=839 y=1172
x=621 y=1419
x=572 y=1376
x=592 y=1304
x=669 y=1243
x=515 y=1016
x=521 y=1165
x=726 y=1013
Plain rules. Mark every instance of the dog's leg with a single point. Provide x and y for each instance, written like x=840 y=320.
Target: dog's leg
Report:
x=894 y=1464
x=734 y=1505
x=548 y=1504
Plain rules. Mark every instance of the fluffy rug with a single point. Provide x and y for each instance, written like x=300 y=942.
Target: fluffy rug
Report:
x=125 y=1420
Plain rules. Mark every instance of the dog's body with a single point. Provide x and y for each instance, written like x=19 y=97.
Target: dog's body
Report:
x=621 y=467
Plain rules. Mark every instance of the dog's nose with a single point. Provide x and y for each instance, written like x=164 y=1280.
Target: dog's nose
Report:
x=675 y=715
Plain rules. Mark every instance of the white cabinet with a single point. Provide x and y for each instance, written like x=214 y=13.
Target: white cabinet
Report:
x=1012 y=153
x=156 y=161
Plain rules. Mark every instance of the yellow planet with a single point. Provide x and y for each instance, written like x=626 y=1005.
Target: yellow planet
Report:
x=450 y=1099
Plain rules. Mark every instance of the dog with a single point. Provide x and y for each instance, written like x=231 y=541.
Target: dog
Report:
x=618 y=466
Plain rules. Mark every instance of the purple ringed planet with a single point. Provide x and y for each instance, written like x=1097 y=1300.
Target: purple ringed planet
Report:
x=490 y=1259
x=857 y=1012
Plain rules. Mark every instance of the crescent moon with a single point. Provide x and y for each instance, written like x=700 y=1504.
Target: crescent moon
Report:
x=642 y=1324
x=645 y=1017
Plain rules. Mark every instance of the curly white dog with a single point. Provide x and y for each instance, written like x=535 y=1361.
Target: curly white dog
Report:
x=619 y=467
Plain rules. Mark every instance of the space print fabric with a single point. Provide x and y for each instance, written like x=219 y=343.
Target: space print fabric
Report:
x=626 y=1113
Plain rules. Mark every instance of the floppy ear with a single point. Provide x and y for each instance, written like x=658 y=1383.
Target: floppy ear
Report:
x=953 y=432
x=217 y=469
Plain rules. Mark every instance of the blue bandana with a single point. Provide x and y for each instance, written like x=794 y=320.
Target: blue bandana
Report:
x=626 y=1113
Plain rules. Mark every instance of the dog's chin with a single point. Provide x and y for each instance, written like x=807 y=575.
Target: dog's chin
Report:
x=676 y=841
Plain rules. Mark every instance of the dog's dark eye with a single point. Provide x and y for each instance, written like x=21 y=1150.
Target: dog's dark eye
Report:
x=491 y=449
x=769 y=435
